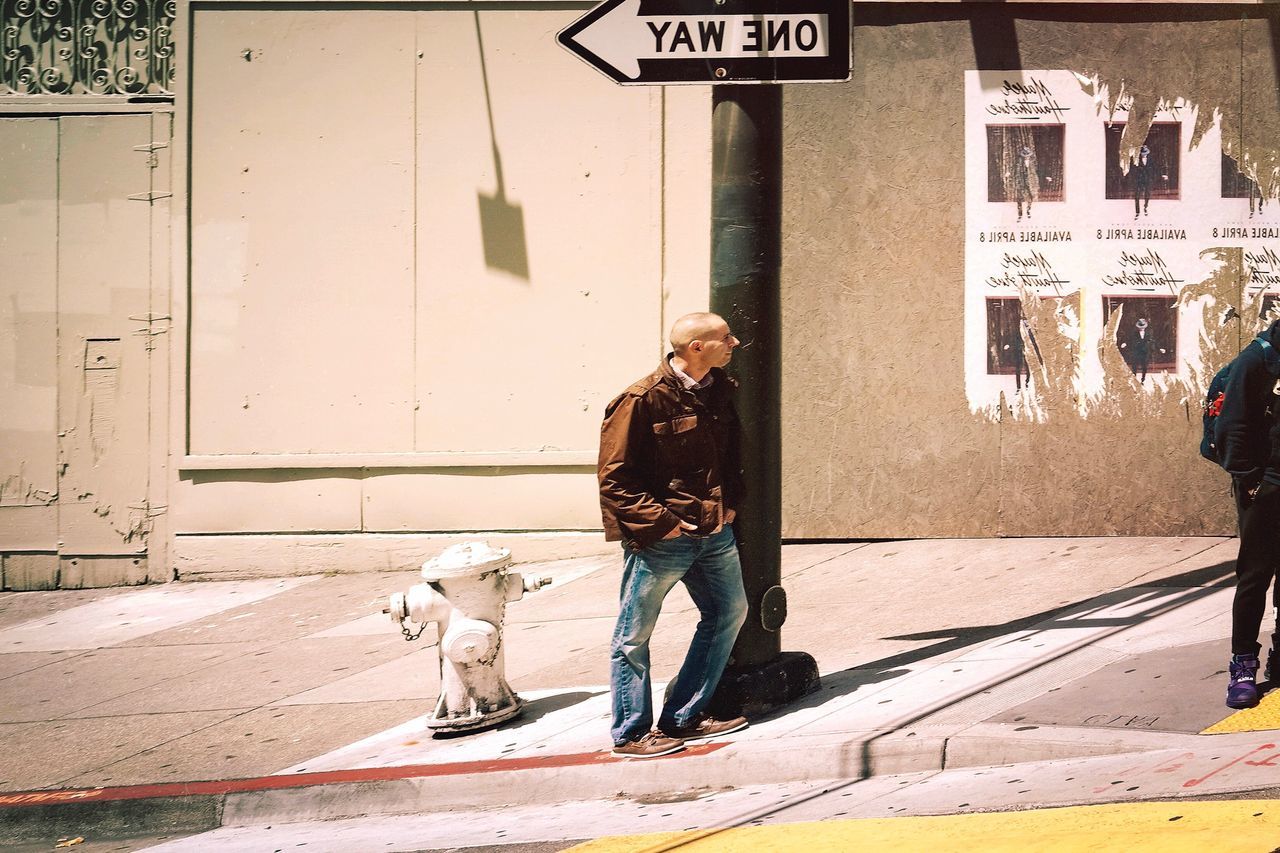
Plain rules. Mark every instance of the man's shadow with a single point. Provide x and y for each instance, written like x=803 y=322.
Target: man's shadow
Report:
x=847 y=681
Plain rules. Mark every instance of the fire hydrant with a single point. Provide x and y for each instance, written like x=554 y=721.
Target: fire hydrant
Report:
x=466 y=593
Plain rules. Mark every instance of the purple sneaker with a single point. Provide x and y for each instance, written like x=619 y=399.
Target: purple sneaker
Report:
x=1242 y=691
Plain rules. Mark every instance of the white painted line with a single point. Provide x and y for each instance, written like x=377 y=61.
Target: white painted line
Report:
x=555 y=722
x=135 y=614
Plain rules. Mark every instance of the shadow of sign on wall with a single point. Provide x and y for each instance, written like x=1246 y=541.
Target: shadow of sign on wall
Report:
x=502 y=229
x=501 y=221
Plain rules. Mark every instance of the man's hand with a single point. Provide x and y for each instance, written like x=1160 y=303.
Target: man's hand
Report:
x=684 y=526
x=730 y=515
x=1246 y=490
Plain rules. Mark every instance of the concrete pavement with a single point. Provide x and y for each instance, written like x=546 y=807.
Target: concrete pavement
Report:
x=296 y=699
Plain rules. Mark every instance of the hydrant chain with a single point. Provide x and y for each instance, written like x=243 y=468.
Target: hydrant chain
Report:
x=409 y=635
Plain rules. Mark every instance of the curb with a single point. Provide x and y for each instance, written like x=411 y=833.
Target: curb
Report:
x=48 y=821
x=199 y=806
x=333 y=795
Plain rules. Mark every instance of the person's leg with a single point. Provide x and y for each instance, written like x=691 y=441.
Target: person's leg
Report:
x=647 y=577
x=714 y=582
x=1255 y=566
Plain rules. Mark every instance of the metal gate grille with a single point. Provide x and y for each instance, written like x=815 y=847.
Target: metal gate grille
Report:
x=86 y=47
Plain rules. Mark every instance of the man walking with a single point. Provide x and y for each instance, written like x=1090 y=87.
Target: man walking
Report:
x=1248 y=432
x=1138 y=350
x=1023 y=172
x=1144 y=173
x=670 y=481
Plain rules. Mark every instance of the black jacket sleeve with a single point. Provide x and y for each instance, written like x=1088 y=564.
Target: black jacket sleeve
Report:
x=1242 y=430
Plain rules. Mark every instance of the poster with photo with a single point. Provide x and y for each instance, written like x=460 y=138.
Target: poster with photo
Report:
x=1262 y=280
x=1085 y=244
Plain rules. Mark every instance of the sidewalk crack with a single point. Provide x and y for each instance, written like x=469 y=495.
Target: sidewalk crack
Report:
x=1135 y=580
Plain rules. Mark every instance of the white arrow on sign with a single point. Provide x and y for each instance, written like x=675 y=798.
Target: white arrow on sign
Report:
x=622 y=37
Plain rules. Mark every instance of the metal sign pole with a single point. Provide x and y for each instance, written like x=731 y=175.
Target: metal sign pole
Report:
x=746 y=256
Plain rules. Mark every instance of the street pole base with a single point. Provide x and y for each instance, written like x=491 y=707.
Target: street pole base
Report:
x=766 y=687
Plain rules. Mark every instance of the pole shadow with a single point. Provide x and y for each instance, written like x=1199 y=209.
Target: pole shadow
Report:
x=501 y=220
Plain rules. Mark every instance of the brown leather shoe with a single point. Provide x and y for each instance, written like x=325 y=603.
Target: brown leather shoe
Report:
x=705 y=727
x=652 y=745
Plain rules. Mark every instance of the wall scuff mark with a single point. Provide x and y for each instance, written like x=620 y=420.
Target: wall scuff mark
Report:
x=101 y=387
x=17 y=490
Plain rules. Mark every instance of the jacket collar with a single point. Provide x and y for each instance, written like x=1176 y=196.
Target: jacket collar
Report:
x=1272 y=356
x=669 y=376
x=1273 y=333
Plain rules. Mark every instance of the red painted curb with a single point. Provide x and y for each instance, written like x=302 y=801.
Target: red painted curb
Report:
x=19 y=799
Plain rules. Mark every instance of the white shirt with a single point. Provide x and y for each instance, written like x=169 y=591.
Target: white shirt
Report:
x=689 y=382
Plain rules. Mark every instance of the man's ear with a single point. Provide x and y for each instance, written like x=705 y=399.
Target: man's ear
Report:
x=696 y=346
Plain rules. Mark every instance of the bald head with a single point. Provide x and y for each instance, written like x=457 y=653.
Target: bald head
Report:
x=701 y=341
x=699 y=326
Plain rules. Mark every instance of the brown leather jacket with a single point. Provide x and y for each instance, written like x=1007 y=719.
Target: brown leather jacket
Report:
x=668 y=456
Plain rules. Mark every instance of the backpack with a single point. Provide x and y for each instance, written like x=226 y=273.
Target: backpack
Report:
x=1213 y=400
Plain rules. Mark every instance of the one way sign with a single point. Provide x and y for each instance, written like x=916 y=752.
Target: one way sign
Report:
x=639 y=42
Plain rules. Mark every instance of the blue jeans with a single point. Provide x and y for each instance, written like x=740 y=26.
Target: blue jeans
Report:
x=711 y=573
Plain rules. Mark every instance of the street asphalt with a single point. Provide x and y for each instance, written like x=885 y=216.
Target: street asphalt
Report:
x=1010 y=673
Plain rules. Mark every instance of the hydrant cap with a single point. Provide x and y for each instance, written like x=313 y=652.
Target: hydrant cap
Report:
x=466 y=559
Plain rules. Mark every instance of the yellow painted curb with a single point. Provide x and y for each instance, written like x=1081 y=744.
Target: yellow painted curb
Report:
x=1186 y=827
x=1261 y=717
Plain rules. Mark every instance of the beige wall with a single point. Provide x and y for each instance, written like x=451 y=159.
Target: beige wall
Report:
x=879 y=439
x=28 y=354
x=425 y=248
x=415 y=251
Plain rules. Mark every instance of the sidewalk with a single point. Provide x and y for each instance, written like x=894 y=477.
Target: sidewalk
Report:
x=297 y=699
